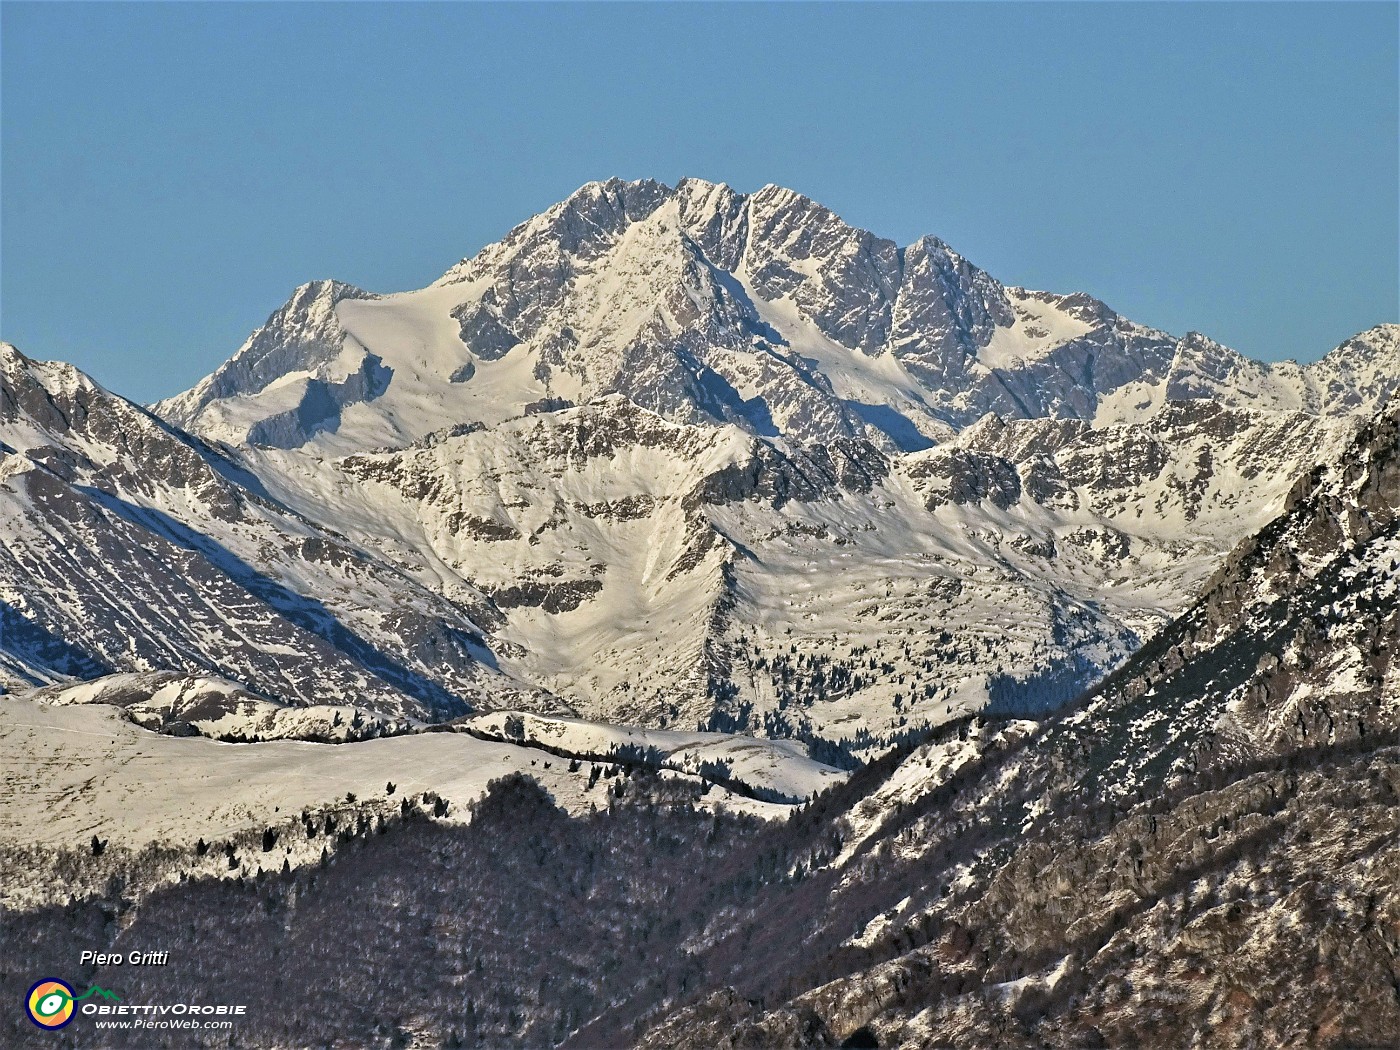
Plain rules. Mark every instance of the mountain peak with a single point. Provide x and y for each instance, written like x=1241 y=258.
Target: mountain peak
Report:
x=302 y=337
x=1379 y=342
x=709 y=306
x=60 y=379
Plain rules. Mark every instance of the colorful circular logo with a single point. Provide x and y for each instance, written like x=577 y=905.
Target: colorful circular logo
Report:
x=50 y=1003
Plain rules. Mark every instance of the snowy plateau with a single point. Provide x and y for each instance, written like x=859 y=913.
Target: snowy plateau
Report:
x=706 y=500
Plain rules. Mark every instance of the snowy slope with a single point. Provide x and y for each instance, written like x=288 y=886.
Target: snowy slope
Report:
x=87 y=769
x=127 y=546
x=780 y=766
x=723 y=459
x=188 y=705
x=654 y=573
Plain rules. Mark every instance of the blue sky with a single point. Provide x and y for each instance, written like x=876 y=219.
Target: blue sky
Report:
x=170 y=172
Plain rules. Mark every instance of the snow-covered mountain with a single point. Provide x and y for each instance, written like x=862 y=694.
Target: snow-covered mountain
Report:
x=722 y=458
x=543 y=551
x=706 y=305
x=672 y=457
x=1200 y=853
x=126 y=546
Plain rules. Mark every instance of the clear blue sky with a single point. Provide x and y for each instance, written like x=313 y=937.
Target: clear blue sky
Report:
x=171 y=172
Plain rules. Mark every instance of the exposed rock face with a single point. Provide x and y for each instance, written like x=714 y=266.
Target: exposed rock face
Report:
x=690 y=455
x=1201 y=851
x=961 y=477
x=705 y=305
x=129 y=547
x=804 y=426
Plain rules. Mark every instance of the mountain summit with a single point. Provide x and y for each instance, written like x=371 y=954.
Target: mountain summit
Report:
x=722 y=458
x=706 y=305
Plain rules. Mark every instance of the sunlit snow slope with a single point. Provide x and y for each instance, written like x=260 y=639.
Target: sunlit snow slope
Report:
x=720 y=458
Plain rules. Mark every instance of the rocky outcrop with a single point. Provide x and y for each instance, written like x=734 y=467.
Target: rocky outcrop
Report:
x=1199 y=851
x=762 y=310
x=130 y=547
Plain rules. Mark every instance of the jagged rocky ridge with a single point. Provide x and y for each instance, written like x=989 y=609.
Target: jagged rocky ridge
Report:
x=684 y=456
x=130 y=547
x=1200 y=852
x=707 y=305
x=716 y=455
x=1202 y=849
